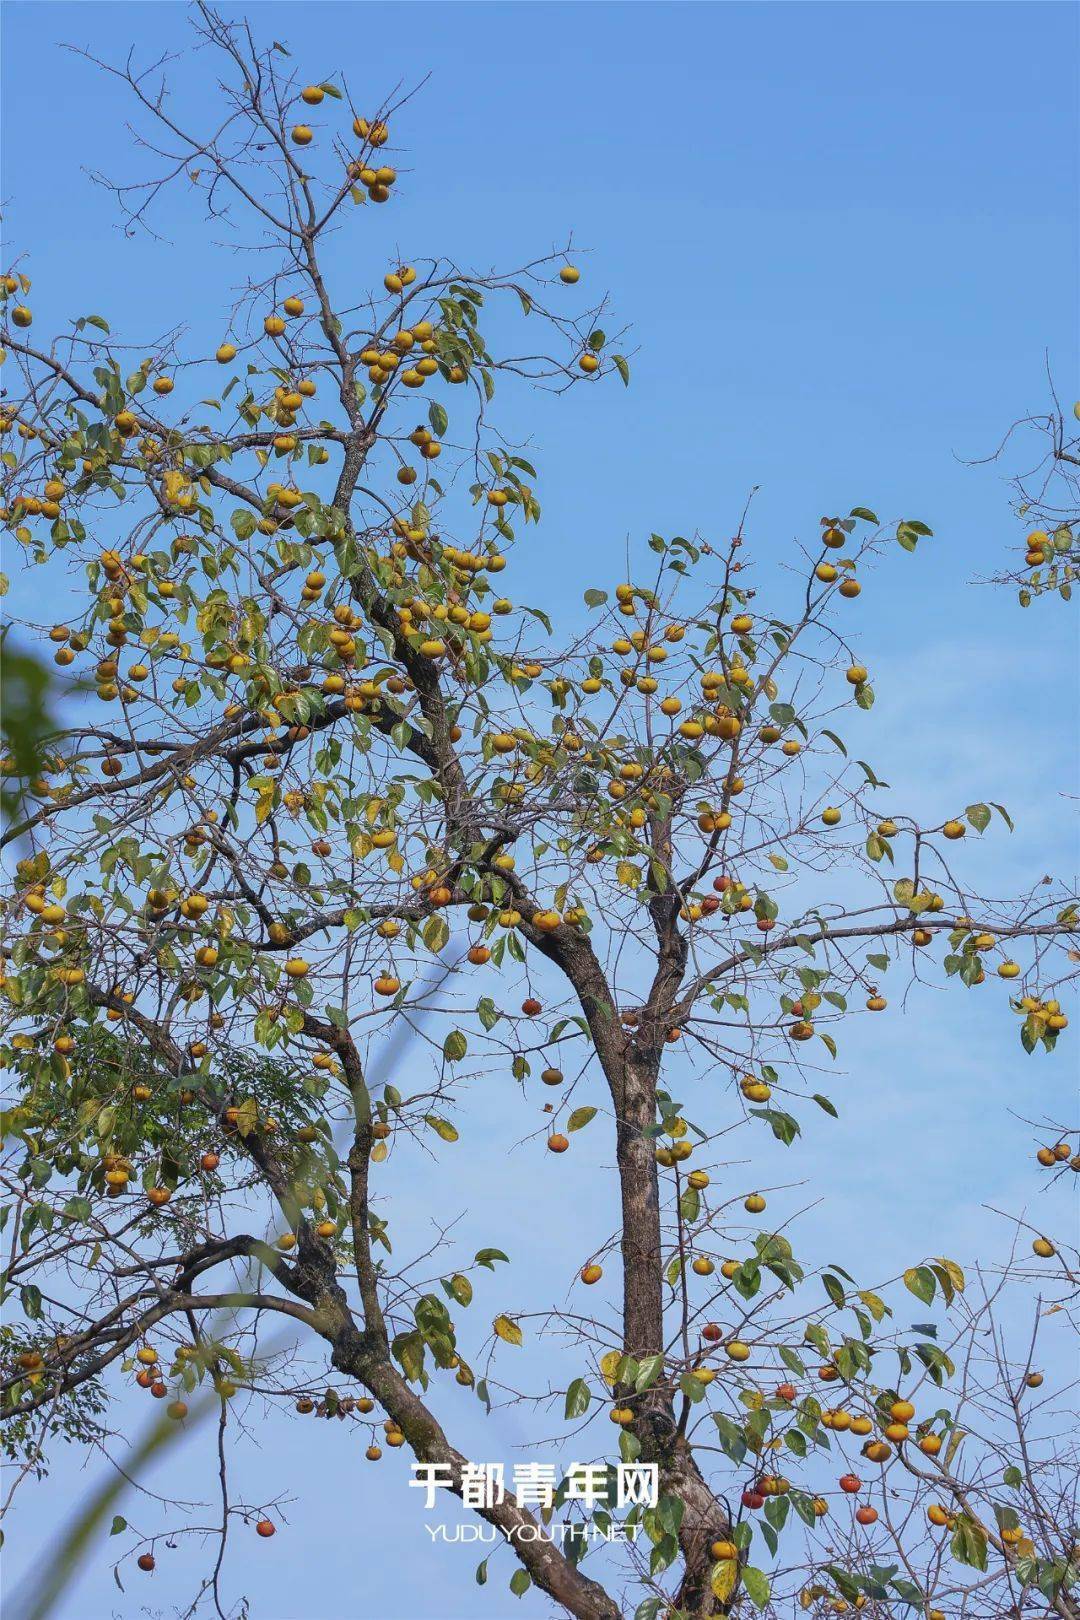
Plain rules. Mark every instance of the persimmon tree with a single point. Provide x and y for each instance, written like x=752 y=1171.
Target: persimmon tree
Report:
x=320 y=783
x=1046 y=499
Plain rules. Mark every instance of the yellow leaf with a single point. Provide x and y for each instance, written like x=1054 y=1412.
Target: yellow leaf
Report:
x=395 y=861
x=507 y=1330
x=609 y=1365
x=264 y=804
x=955 y=1272
x=724 y=1576
x=247 y=1116
x=442 y=1127
x=378 y=1152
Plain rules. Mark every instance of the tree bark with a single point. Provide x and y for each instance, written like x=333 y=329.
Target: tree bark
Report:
x=549 y=1568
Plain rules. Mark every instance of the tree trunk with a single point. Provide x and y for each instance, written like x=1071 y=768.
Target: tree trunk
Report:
x=643 y=1306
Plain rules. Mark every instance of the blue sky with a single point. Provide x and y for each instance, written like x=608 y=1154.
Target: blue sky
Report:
x=845 y=239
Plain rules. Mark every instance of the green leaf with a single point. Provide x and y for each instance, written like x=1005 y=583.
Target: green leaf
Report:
x=692 y=1388
x=669 y=1511
x=755 y=1585
x=792 y=1361
x=979 y=816
x=785 y=1127
x=580 y=1118
x=776 y=1511
x=867 y=770
x=649 y=1371
x=438 y=418
x=833 y=1288
x=409 y=1351
x=865 y=513
x=747 y=1279
x=969 y=1543
x=118 y=1524
x=804 y=1505
x=520 y=1581
x=487 y=1012
x=455 y=1046
x=732 y=1438
x=920 y=1281
x=595 y=598
x=577 y=1398
x=623 y=368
